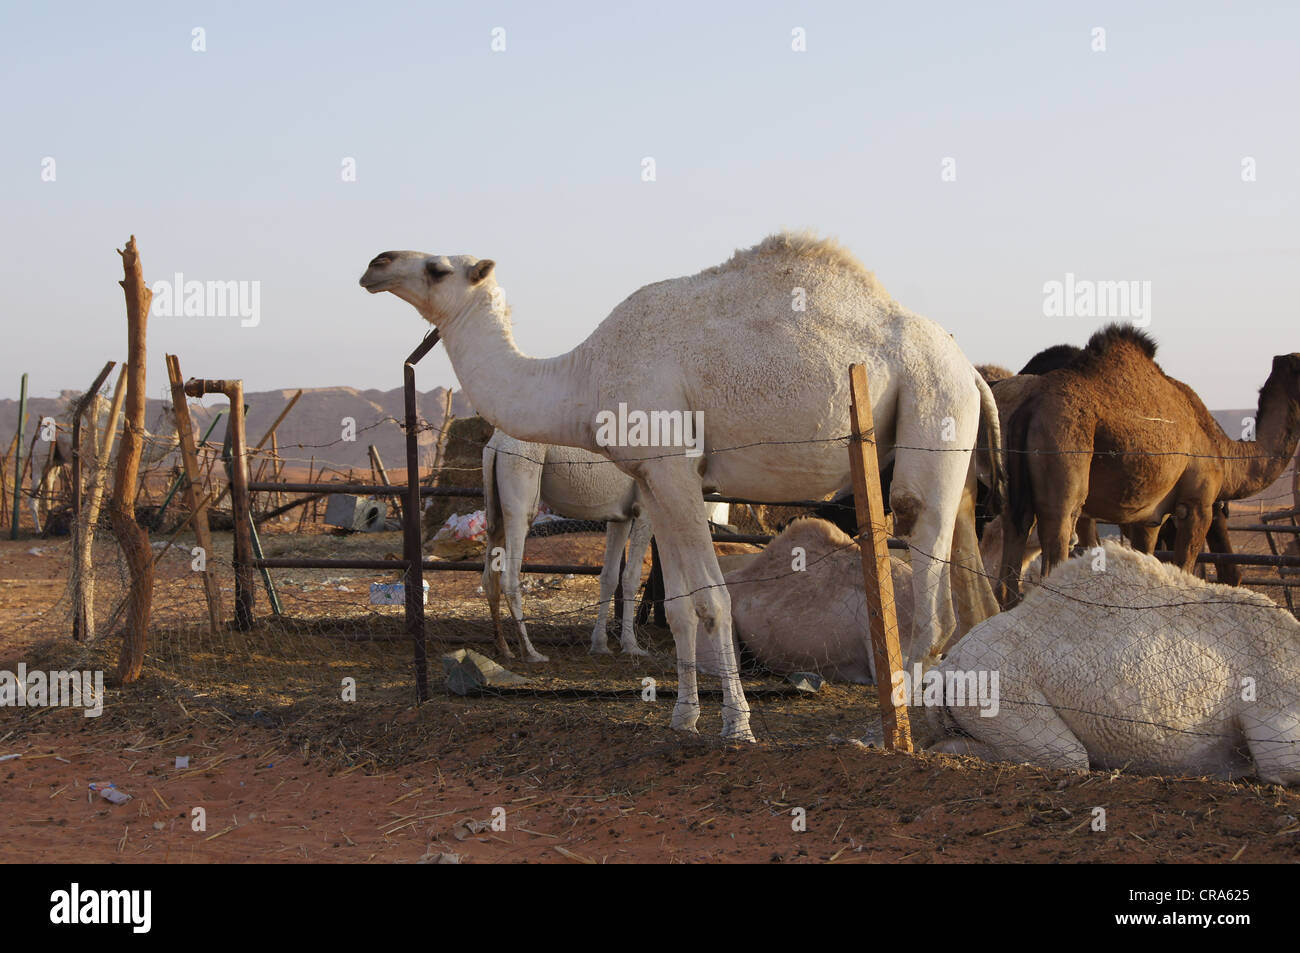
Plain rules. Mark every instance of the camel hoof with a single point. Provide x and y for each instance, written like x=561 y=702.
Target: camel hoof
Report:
x=599 y=650
x=685 y=717
x=634 y=650
x=537 y=657
x=738 y=732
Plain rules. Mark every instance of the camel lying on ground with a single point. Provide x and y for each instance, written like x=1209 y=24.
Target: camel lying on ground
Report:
x=810 y=619
x=1132 y=664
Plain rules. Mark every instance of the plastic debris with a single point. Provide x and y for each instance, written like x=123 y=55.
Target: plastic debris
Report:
x=182 y=761
x=467 y=672
x=805 y=681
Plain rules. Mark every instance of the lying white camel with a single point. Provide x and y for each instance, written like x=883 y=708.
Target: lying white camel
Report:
x=771 y=385
x=517 y=476
x=809 y=619
x=1135 y=664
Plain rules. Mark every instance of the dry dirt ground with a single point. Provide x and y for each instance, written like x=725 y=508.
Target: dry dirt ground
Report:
x=284 y=771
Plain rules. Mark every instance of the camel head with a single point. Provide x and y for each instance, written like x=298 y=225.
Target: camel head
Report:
x=438 y=286
x=1282 y=387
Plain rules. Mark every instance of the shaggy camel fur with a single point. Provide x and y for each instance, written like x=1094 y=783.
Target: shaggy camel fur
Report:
x=771 y=384
x=1137 y=665
x=517 y=477
x=809 y=620
x=1081 y=446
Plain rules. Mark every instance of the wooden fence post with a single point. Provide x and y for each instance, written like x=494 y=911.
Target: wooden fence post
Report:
x=197 y=506
x=126 y=486
x=85 y=514
x=873 y=541
x=18 y=457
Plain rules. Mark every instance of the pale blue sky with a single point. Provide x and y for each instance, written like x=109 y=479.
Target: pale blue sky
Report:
x=226 y=165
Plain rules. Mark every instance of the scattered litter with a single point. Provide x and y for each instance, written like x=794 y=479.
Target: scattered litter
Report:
x=10 y=757
x=439 y=857
x=35 y=551
x=393 y=593
x=158 y=825
x=467 y=827
x=109 y=792
x=467 y=671
x=182 y=761
x=805 y=681
x=462 y=536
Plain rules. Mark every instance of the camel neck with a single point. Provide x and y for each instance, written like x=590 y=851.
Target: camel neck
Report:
x=1260 y=461
x=540 y=400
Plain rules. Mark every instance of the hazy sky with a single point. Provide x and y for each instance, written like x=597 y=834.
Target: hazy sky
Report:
x=227 y=165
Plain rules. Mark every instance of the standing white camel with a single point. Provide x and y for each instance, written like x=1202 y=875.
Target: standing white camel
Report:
x=769 y=382
x=517 y=476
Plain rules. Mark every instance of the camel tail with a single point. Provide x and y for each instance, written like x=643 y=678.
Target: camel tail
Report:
x=1020 y=489
x=491 y=499
x=991 y=436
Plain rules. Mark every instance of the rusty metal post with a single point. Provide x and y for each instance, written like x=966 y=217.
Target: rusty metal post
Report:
x=411 y=523
x=241 y=512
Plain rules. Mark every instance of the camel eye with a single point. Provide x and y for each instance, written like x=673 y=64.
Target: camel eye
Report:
x=381 y=261
x=437 y=270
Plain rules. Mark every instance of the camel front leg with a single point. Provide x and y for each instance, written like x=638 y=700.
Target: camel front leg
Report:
x=1142 y=538
x=636 y=547
x=615 y=539
x=695 y=596
x=1193 y=522
x=1220 y=541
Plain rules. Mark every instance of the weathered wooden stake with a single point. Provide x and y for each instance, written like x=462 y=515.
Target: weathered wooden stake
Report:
x=18 y=457
x=193 y=499
x=85 y=508
x=873 y=542
x=126 y=486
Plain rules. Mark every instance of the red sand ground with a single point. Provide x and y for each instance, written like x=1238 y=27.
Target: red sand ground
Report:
x=596 y=792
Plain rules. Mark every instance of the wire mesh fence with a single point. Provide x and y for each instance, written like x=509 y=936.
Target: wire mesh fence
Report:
x=1112 y=661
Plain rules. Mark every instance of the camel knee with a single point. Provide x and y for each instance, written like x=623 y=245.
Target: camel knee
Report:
x=906 y=506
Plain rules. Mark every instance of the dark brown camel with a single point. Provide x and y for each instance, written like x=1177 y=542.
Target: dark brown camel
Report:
x=1112 y=438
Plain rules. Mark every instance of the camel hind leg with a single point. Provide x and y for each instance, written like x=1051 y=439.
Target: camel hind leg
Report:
x=616 y=532
x=638 y=542
x=926 y=496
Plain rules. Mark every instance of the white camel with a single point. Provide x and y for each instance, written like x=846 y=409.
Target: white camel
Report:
x=771 y=384
x=1132 y=662
x=517 y=476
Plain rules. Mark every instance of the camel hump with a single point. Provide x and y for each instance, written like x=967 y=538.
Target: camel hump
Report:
x=1114 y=335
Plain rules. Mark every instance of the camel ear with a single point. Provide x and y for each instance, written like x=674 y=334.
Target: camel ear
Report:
x=481 y=270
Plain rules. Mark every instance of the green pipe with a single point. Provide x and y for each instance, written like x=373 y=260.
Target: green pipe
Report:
x=18 y=458
x=271 y=594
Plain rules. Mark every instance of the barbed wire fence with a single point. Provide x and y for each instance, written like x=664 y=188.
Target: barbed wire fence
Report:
x=325 y=656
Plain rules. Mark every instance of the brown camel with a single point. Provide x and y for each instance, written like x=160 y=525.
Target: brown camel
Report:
x=1112 y=438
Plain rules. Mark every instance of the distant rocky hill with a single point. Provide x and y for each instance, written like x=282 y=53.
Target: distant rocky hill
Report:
x=314 y=428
